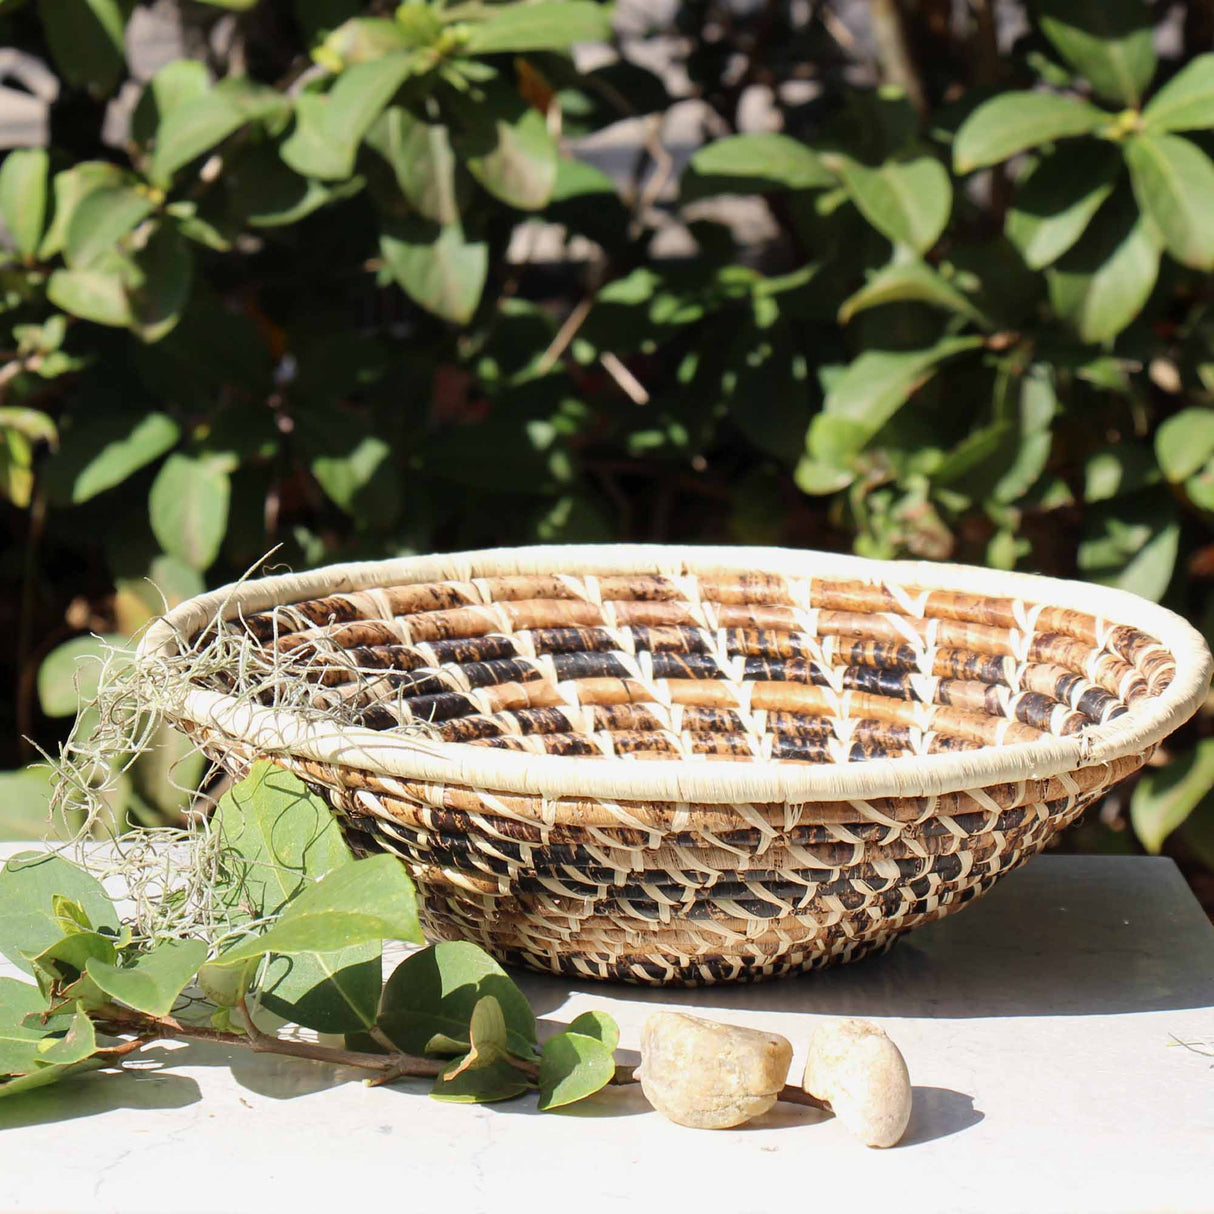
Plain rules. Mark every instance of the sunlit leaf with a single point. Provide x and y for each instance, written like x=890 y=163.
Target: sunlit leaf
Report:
x=23 y=188
x=1186 y=102
x=1056 y=202
x=188 y=508
x=906 y=199
x=1013 y=121
x=1110 y=42
x=1166 y=796
x=1174 y=184
x=436 y=990
x=572 y=1067
x=547 y=25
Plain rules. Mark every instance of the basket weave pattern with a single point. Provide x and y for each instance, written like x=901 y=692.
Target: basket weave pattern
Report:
x=703 y=669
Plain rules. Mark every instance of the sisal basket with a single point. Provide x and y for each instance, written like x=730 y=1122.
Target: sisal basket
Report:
x=693 y=765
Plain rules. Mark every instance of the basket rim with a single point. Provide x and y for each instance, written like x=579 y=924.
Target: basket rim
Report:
x=683 y=780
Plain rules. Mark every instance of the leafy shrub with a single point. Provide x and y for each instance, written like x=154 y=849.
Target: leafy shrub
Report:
x=296 y=302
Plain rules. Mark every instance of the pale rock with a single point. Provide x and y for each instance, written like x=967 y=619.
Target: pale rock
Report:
x=707 y=1075
x=860 y=1072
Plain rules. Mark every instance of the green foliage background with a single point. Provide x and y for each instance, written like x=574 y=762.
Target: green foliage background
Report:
x=293 y=305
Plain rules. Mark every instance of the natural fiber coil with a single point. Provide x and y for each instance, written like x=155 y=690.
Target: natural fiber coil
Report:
x=693 y=765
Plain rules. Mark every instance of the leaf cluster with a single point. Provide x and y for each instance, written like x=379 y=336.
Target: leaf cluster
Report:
x=298 y=929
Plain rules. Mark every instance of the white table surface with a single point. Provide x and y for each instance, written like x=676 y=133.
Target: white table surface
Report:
x=1038 y=1026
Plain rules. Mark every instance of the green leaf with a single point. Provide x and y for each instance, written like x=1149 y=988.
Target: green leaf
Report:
x=154 y=981
x=68 y=674
x=166 y=269
x=421 y=157
x=598 y=1025
x=1165 y=796
x=487 y=1028
x=973 y=452
x=23 y=197
x=61 y=965
x=872 y=389
x=1199 y=488
x=519 y=168
x=24 y=803
x=908 y=200
x=48 y=1074
x=819 y=478
x=1036 y=407
x=187 y=131
x=363 y=38
x=496 y=1080
x=77 y=1044
x=101 y=219
x=1186 y=102
x=1174 y=184
x=179 y=82
x=436 y=990
x=1184 y=442
x=485 y=1072
x=551 y=25
x=1116 y=470
x=356 y=101
x=343 y=475
x=86 y=40
x=1013 y=121
x=1102 y=284
x=753 y=164
x=573 y=1067
x=364 y=902
x=281 y=838
x=334 y=991
x=1109 y=42
x=1056 y=202
x=188 y=508
x=18 y=1041
x=72 y=186
x=1131 y=543
x=310 y=149
x=104 y=449
x=91 y=295
x=910 y=280
x=268 y=194
x=438 y=267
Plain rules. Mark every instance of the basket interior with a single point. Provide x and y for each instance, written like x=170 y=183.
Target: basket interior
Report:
x=734 y=666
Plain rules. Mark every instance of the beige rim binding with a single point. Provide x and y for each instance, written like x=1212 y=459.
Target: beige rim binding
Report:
x=688 y=779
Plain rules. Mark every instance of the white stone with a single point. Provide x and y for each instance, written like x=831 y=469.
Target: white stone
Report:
x=860 y=1072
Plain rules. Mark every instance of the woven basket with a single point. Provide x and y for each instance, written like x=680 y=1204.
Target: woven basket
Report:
x=694 y=765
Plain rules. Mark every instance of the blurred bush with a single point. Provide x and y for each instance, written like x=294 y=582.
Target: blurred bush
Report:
x=908 y=277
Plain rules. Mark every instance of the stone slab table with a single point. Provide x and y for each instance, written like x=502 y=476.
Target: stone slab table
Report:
x=1041 y=1028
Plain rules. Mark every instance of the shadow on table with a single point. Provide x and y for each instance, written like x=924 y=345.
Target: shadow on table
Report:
x=939 y=1113
x=1118 y=935
x=99 y=1093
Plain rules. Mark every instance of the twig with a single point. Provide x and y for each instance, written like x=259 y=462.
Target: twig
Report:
x=663 y=164
x=26 y=668
x=837 y=30
x=565 y=334
x=628 y=382
x=152 y=1028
